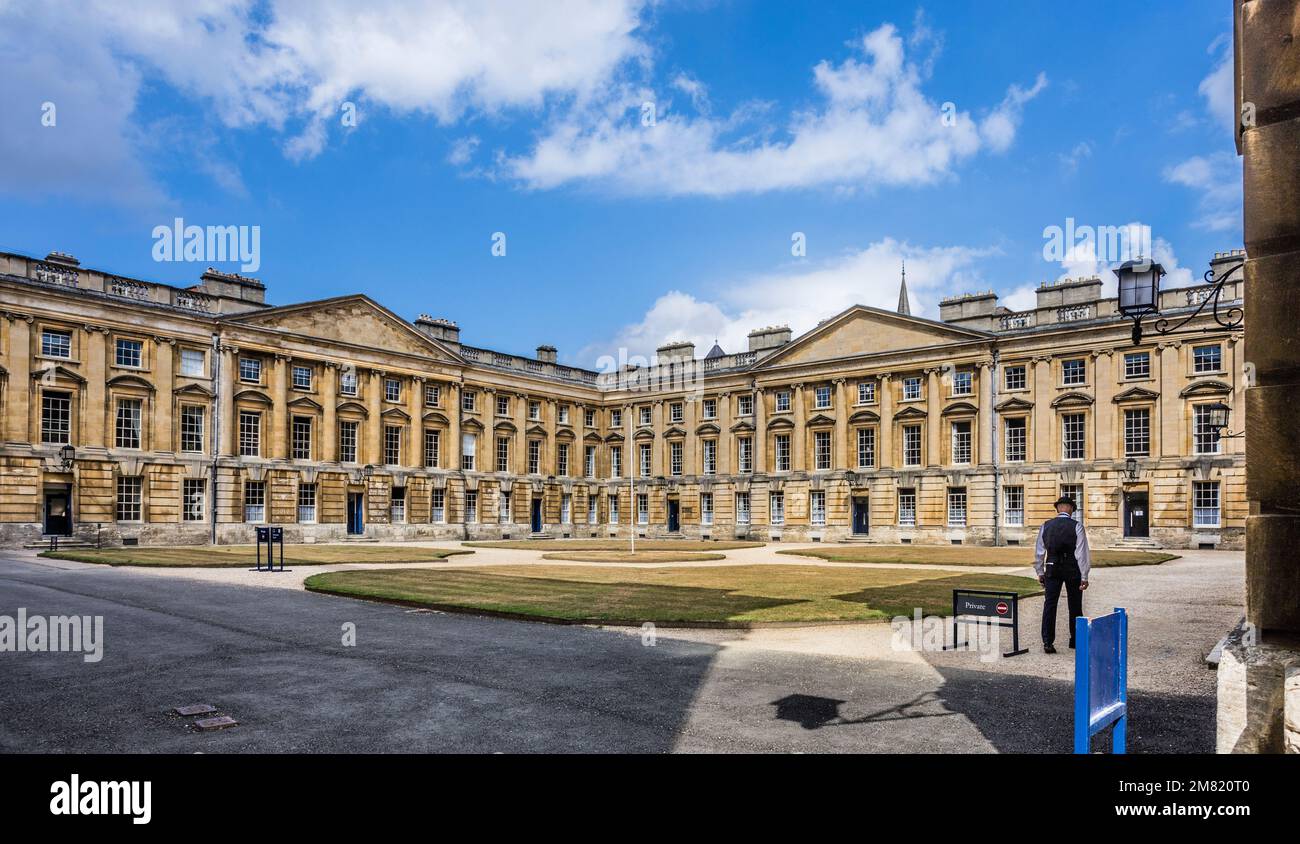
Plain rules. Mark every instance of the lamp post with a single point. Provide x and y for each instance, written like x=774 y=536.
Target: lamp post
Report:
x=1139 y=297
x=1131 y=469
x=67 y=455
x=1217 y=418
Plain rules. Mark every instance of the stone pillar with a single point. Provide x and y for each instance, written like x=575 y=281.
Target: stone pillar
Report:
x=226 y=400
x=799 y=453
x=1041 y=447
x=1104 y=411
x=329 y=433
x=162 y=434
x=519 y=454
x=19 y=360
x=760 y=431
x=657 y=451
x=934 y=418
x=96 y=415
x=1254 y=692
x=690 y=415
x=1171 y=406
x=840 y=450
x=280 y=408
x=414 y=457
x=986 y=415
x=885 y=448
x=452 y=450
x=726 y=441
x=373 y=452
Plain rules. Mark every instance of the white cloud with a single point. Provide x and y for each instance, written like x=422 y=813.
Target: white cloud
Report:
x=286 y=64
x=1071 y=160
x=875 y=128
x=799 y=295
x=1217 y=177
x=1217 y=89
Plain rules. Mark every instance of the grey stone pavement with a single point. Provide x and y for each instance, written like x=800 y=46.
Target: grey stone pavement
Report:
x=273 y=659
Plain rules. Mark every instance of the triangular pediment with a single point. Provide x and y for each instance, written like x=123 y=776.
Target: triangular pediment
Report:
x=1136 y=394
x=353 y=320
x=861 y=330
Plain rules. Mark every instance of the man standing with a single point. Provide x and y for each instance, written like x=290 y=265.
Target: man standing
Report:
x=1061 y=557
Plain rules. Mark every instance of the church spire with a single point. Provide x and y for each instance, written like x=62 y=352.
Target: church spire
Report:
x=903 y=306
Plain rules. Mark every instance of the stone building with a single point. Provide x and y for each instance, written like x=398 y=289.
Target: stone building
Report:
x=140 y=412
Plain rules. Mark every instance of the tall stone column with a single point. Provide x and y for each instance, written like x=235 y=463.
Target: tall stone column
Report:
x=726 y=441
x=800 y=461
x=452 y=450
x=840 y=454
x=161 y=428
x=1170 y=415
x=519 y=453
x=226 y=400
x=760 y=431
x=414 y=457
x=19 y=360
x=1257 y=702
x=374 y=447
x=657 y=452
x=280 y=408
x=986 y=413
x=96 y=415
x=885 y=448
x=329 y=433
x=1042 y=449
x=934 y=417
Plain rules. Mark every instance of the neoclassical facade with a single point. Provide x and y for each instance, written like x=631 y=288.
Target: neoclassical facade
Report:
x=138 y=412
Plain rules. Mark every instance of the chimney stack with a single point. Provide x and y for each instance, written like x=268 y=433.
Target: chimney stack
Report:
x=438 y=328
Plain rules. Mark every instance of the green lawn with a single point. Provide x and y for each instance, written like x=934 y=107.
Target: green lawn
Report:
x=218 y=556
x=625 y=556
x=616 y=544
x=965 y=555
x=721 y=594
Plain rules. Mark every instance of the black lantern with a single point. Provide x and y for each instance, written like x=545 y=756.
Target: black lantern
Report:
x=1131 y=469
x=1217 y=416
x=1139 y=291
x=67 y=454
x=368 y=470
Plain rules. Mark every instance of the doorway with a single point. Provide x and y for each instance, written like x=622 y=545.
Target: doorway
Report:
x=1137 y=516
x=537 y=515
x=861 y=516
x=674 y=515
x=58 y=511
x=356 y=513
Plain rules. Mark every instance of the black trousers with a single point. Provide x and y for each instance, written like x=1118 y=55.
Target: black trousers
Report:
x=1073 y=596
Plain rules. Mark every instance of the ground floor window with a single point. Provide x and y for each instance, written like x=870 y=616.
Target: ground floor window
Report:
x=613 y=509
x=1205 y=504
x=129 y=498
x=907 y=507
x=566 y=508
x=1013 y=505
x=1074 y=492
x=193 y=496
x=397 y=505
x=642 y=509
x=306 y=503
x=503 y=508
x=593 y=514
x=706 y=508
x=438 y=506
x=471 y=507
x=817 y=507
x=742 y=508
x=776 y=507
x=957 y=506
x=254 y=501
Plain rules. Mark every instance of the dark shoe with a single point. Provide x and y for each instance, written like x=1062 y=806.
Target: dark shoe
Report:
x=1048 y=649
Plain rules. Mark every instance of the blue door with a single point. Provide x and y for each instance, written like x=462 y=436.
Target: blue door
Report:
x=861 y=516
x=356 y=521
x=537 y=515
x=674 y=514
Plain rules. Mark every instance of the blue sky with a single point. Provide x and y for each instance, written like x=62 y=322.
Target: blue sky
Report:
x=770 y=119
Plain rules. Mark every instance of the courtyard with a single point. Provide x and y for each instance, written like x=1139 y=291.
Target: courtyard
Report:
x=271 y=654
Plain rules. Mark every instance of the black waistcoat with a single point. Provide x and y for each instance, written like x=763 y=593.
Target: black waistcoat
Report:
x=1059 y=539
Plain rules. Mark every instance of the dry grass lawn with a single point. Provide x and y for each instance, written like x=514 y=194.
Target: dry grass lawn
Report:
x=615 y=544
x=715 y=594
x=640 y=556
x=965 y=555
x=218 y=556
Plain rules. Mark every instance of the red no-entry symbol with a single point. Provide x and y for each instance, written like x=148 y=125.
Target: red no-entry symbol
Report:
x=1002 y=608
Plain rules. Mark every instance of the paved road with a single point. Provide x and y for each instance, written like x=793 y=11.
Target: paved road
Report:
x=416 y=681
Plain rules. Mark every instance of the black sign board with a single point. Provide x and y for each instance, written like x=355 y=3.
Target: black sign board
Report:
x=271 y=536
x=974 y=606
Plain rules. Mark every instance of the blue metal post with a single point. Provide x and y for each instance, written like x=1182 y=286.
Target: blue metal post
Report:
x=1119 y=734
x=1082 y=692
